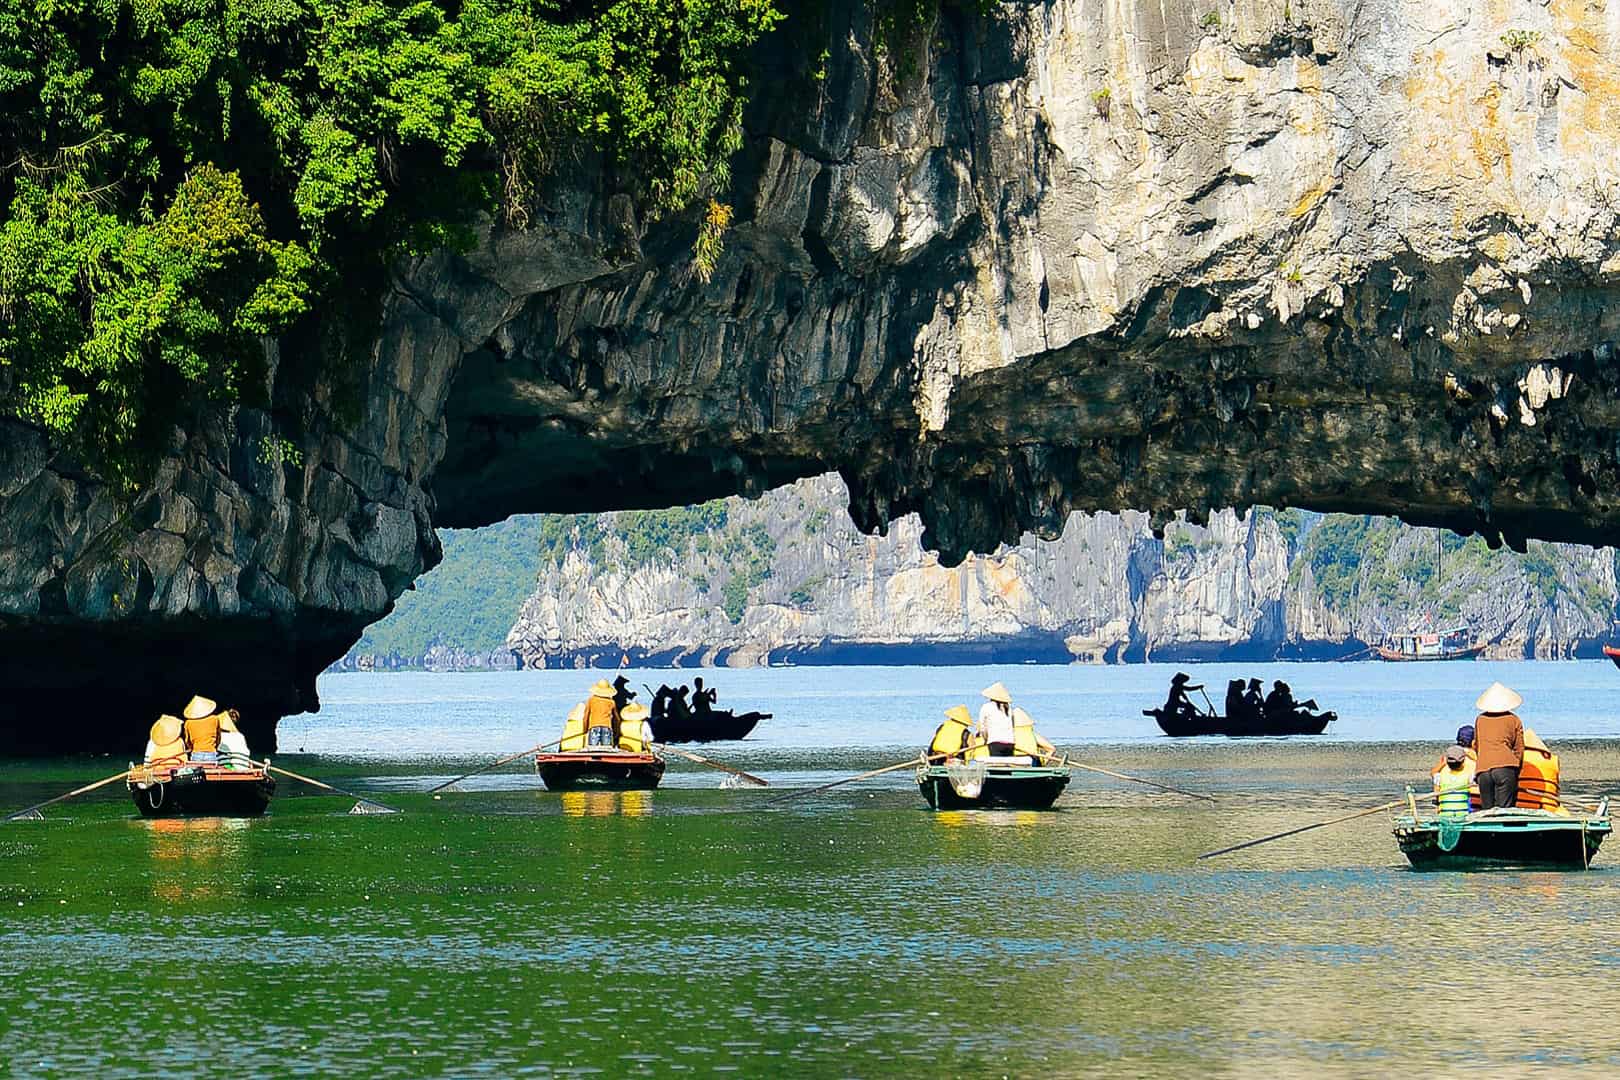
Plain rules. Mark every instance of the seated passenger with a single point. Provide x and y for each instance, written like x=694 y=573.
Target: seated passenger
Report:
x=233 y=745
x=202 y=729
x=1027 y=741
x=954 y=735
x=635 y=733
x=1451 y=783
x=601 y=721
x=1237 y=705
x=165 y=744
x=1538 y=776
x=1280 y=702
x=996 y=720
x=1465 y=739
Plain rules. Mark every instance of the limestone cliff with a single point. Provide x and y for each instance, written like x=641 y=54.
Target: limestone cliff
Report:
x=788 y=579
x=992 y=267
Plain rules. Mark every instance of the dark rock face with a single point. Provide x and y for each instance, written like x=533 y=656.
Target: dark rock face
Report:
x=1063 y=258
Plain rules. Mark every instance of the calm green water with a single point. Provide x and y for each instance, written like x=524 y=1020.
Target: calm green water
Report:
x=507 y=931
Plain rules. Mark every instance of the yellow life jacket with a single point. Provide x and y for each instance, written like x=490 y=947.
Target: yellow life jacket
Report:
x=1453 y=785
x=573 y=736
x=166 y=741
x=630 y=739
x=950 y=737
x=1024 y=734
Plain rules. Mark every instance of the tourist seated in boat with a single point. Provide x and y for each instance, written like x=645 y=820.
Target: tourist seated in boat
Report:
x=1465 y=739
x=573 y=736
x=1452 y=782
x=1238 y=711
x=233 y=746
x=702 y=700
x=955 y=736
x=165 y=743
x=996 y=721
x=635 y=733
x=1254 y=699
x=1280 y=702
x=1178 y=705
x=601 y=718
x=1538 y=776
x=1498 y=747
x=1026 y=742
x=202 y=729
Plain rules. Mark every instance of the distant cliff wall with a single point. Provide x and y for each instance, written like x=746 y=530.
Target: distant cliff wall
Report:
x=788 y=578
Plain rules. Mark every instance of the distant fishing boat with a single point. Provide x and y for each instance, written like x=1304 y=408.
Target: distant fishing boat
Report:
x=1503 y=837
x=1454 y=643
x=986 y=783
x=600 y=768
x=199 y=789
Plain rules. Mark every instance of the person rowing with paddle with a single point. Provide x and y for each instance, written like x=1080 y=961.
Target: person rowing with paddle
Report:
x=1179 y=705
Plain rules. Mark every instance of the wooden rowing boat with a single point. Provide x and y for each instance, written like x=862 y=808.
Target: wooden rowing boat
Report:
x=200 y=789
x=1503 y=838
x=986 y=783
x=615 y=770
x=1297 y=722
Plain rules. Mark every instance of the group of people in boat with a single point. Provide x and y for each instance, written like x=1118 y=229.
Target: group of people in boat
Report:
x=203 y=734
x=1496 y=762
x=608 y=720
x=672 y=702
x=1001 y=731
x=1247 y=705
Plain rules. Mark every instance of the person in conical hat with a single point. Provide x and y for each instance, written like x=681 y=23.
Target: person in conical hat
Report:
x=164 y=741
x=635 y=732
x=1498 y=747
x=951 y=736
x=202 y=728
x=996 y=720
x=601 y=718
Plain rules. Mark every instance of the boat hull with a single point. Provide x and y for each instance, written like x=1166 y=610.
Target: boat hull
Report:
x=1612 y=653
x=1029 y=787
x=1534 y=839
x=575 y=770
x=1206 y=724
x=1384 y=652
x=196 y=791
x=719 y=726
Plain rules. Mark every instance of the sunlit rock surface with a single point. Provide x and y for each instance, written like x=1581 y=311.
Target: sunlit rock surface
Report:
x=1344 y=255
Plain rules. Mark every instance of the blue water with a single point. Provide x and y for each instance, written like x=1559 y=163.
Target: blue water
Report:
x=403 y=715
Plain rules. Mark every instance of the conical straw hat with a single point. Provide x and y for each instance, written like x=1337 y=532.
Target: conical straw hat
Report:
x=960 y=714
x=635 y=711
x=166 y=730
x=227 y=724
x=1498 y=699
x=603 y=688
x=1532 y=741
x=199 y=707
x=997 y=692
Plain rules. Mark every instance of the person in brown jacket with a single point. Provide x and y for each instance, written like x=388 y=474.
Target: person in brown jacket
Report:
x=1498 y=747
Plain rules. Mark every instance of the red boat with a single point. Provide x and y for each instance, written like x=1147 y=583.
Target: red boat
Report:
x=1612 y=653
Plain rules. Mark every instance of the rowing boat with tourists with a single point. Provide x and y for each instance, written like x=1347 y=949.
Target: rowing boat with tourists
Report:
x=1496 y=803
x=200 y=766
x=606 y=743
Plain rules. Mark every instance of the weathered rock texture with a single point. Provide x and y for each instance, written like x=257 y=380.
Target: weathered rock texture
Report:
x=1105 y=590
x=1347 y=254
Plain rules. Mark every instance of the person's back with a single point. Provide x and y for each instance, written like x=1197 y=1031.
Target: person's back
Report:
x=1452 y=783
x=165 y=743
x=601 y=718
x=1280 y=702
x=952 y=736
x=233 y=746
x=1237 y=709
x=202 y=729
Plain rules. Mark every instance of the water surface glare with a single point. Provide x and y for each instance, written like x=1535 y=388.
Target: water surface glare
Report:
x=506 y=931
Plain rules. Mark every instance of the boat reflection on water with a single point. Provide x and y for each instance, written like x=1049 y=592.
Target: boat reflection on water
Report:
x=606 y=803
x=189 y=853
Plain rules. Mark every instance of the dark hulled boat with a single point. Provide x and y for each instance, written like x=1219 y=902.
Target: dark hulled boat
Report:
x=1298 y=722
x=198 y=789
x=715 y=726
x=985 y=784
x=614 y=770
x=1502 y=838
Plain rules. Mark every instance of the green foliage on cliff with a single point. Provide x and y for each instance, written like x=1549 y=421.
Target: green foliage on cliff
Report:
x=181 y=178
x=471 y=599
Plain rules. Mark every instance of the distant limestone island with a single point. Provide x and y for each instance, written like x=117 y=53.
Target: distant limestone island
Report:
x=787 y=579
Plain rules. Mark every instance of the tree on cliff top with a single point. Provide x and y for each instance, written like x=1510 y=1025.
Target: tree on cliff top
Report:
x=180 y=179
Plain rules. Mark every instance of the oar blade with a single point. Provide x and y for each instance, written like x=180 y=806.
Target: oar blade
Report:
x=27 y=815
x=365 y=807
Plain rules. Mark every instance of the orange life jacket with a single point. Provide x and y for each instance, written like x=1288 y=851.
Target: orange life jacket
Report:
x=1538 y=781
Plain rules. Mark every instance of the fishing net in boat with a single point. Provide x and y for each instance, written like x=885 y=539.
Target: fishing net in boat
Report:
x=1451 y=829
x=966 y=777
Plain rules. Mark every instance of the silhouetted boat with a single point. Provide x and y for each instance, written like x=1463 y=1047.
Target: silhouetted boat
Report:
x=1299 y=722
x=983 y=783
x=717 y=726
x=1503 y=837
x=618 y=770
x=1455 y=643
x=197 y=789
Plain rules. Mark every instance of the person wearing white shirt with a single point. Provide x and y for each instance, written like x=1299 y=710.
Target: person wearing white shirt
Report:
x=233 y=747
x=996 y=720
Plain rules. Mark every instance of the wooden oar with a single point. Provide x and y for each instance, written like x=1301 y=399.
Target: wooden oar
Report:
x=1134 y=779
x=32 y=813
x=495 y=765
x=752 y=779
x=371 y=805
x=909 y=763
x=1396 y=805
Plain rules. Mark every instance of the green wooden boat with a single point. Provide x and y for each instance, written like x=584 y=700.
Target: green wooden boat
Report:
x=983 y=784
x=1503 y=838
